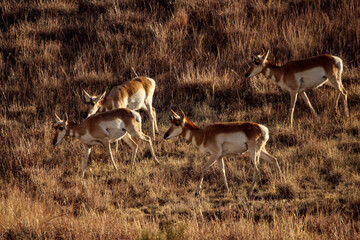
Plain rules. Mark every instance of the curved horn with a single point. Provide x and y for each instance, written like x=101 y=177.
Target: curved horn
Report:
x=175 y=114
x=266 y=56
x=88 y=95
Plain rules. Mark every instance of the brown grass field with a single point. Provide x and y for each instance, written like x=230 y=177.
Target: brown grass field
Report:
x=198 y=53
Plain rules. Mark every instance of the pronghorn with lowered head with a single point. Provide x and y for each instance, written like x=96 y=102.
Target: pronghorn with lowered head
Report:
x=104 y=128
x=223 y=139
x=135 y=94
x=300 y=75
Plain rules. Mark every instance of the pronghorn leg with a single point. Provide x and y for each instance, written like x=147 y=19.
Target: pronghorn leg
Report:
x=306 y=100
x=267 y=157
x=336 y=83
x=147 y=139
x=254 y=156
x=208 y=164
x=116 y=146
x=107 y=145
x=337 y=101
x=127 y=138
x=293 y=96
x=152 y=115
x=87 y=153
x=155 y=119
x=222 y=168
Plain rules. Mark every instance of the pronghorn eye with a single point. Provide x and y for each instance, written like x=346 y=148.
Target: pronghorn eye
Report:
x=92 y=104
x=257 y=62
x=177 y=124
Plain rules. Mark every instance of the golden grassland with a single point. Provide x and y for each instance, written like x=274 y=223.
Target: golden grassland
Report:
x=198 y=52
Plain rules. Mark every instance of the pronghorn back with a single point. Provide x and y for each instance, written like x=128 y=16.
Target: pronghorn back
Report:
x=325 y=60
x=121 y=96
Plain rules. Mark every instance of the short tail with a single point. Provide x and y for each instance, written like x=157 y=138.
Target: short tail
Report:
x=136 y=115
x=265 y=132
x=339 y=64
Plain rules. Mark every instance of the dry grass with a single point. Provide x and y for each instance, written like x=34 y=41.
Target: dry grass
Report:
x=198 y=52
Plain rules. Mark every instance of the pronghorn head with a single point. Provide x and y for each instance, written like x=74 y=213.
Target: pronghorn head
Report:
x=259 y=63
x=93 y=103
x=60 y=127
x=177 y=125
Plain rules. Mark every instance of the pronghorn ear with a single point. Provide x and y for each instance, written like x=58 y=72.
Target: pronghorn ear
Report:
x=182 y=113
x=266 y=56
x=87 y=96
x=66 y=119
x=102 y=96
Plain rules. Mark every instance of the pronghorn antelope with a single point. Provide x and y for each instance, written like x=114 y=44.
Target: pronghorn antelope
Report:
x=104 y=128
x=135 y=94
x=223 y=139
x=298 y=76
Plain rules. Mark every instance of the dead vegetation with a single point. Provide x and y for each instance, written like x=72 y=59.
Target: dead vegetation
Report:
x=198 y=52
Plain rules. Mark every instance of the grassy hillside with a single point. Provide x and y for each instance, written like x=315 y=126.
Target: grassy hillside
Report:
x=198 y=53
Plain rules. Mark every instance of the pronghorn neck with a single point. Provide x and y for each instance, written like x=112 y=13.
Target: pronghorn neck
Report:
x=102 y=105
x=73 y=130
x=273 y=72
x=192 y=133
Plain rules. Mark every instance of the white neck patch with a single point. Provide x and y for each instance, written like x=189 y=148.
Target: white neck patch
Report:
x=267 y=72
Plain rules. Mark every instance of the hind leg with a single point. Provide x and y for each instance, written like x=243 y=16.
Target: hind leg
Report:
x=336 y=83
x=152 y=115
x=127 y=138
x=267 y=157
x=136 y=131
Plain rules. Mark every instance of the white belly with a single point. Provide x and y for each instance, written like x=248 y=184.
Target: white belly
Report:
x=115 y=129
x=311 y=78
x=232 y=143
x=136 y=100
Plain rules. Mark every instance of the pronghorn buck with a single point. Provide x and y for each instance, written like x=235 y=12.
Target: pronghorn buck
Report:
x=300 y=75
x=223 y=139
x=135 y=94
x=104 y=128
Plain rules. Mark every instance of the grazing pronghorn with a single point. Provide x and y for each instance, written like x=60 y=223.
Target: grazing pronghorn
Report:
x=223 y=139
x=104 y=128
x=135 y=94
x=300 y=75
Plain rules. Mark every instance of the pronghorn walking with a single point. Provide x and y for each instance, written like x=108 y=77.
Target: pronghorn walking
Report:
x=298 y=76
x=104 y=128
x=135 y=94
x=223 y=139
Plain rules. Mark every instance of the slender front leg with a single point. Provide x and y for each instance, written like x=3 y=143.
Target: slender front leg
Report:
x=222 y=168
x=208 y=164
x=306 y=100
x=87 y=153
x=293 y=96
x=107 y=145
